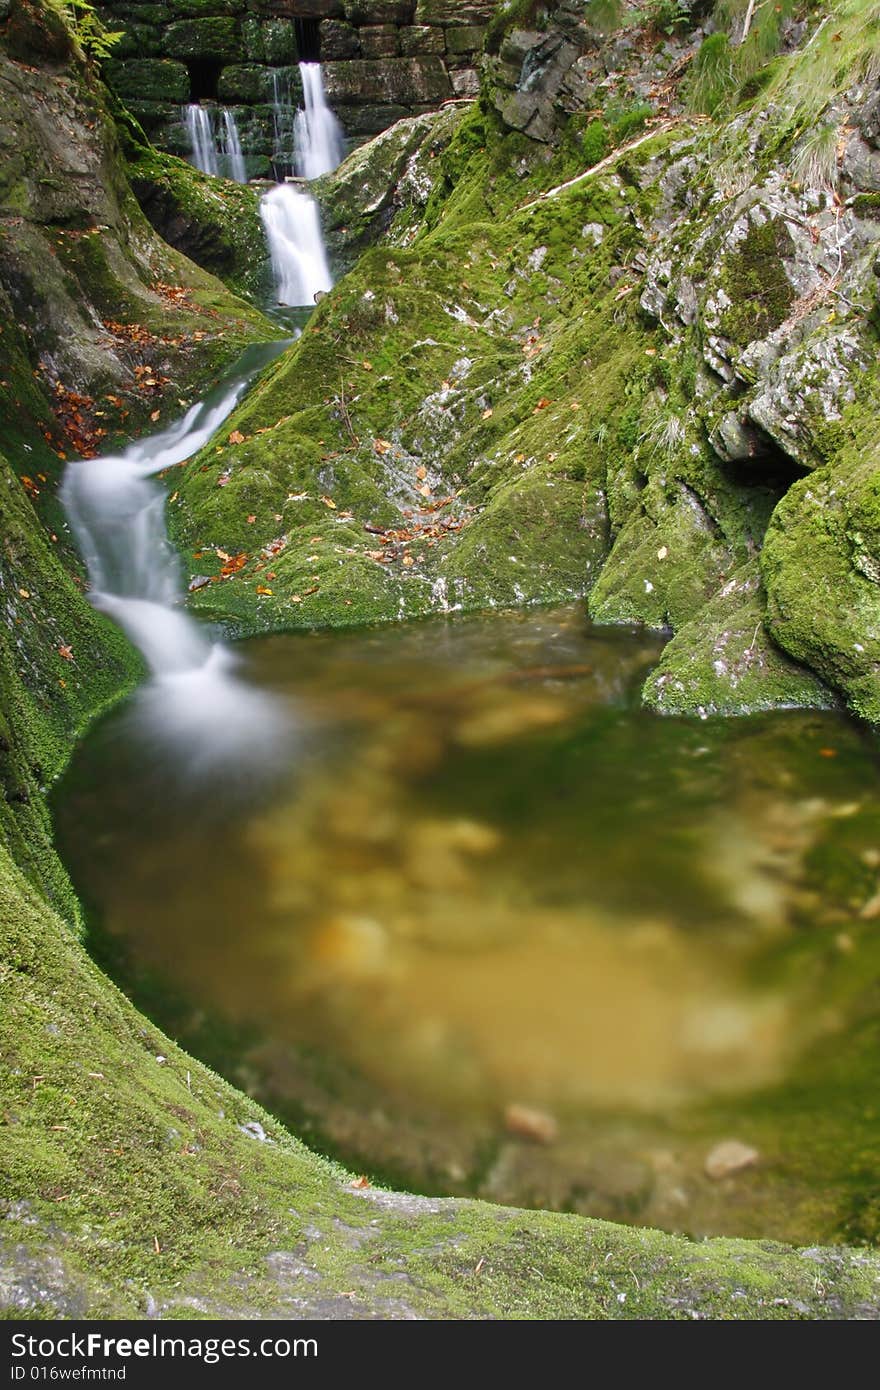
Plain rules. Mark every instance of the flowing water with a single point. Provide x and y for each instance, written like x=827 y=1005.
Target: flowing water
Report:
x=291 y=218
x=292 y=223
x=319 y=143
x=493 y=928
x=215 y=147
x=200 y=133
x=232 y=148
x=193 y=701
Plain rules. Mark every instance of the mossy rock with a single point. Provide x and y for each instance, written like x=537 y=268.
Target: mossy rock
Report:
x=213 y=37
x=149 y=79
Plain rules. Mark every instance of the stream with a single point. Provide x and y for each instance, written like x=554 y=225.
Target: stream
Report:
x=489 y=927
x=449 y=901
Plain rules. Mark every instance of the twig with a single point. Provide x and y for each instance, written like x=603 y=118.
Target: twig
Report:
x=345 y=415
x=750 y=14
x=603 y=164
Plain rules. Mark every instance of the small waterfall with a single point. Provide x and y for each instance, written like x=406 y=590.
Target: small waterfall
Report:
x=201 y=138
x=232 y=148
x=214 y=148
x=319 y=143
x=283 y=124
x=193 y=705
x=312 y=141
x=293 y=230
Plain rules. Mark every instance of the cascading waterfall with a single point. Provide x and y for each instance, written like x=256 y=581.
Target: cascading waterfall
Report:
x=292 y=224
x=232 y=148
x=290 y=216
x=318 y=140
x=193 y=704
x=203 y=148
x=215 y=148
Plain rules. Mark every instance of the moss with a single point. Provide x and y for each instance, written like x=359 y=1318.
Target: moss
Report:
x=724 y=662
x=217 y=227
x=761 y=293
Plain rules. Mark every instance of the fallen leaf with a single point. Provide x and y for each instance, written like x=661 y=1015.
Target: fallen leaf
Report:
x=261 y=589
x=381 y=446
x=662 y=553
x=251 y=519
x=66 y=651
x=408 y=560
x=154 y=414
x=236 y=437
x=328 y=502
x=543 y=403
x=361 y=1182
x=421 y=473
x=25 y=593
x=487 y=414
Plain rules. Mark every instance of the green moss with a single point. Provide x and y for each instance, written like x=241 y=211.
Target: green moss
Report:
x=761 y=293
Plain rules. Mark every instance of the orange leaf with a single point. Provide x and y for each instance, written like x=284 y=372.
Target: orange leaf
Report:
x=236 y=437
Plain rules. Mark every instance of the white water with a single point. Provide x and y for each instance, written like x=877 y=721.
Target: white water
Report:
x=292 y=224
x=193 y=705
x=283 y=119
x=203 y=150
x=291 y=218
x=215 y=149
x=232 y=148
x=318 y=140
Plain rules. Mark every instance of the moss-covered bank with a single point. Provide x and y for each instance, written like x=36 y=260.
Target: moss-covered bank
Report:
x=487 y=361
x=589 y=356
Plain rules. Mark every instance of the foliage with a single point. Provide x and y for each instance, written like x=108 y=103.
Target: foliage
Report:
x=605 y=15
x=713 y=78
x=815 y=162
x=95 y=39
x=668 y=16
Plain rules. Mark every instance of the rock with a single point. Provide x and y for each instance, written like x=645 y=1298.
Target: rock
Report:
x=729 y=1157
x=405 y=81
x=338 y=40
x=528 y=1123
x=151 y=79
x=420 y=39
x=198 y=581
x=379 y=41
x=215 y=37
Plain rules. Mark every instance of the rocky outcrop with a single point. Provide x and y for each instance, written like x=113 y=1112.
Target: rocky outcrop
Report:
x=619 y=342
x=381 y=62
x=101 y=320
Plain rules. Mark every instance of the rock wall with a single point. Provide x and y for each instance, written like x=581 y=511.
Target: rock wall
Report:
x=381 y=61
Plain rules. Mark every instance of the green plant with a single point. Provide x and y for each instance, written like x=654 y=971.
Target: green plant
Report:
x=815 y=161
x=94 y=38
x=712 y=77
x=604 y=15
x=668 y=16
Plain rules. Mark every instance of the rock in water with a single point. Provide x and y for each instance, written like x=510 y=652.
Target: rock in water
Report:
x=729 y=1157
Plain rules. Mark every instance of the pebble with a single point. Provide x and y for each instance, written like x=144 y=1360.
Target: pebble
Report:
x=527 y=1123
x=729 y=1157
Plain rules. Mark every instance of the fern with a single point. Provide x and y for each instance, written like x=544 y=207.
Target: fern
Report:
x=95 y=39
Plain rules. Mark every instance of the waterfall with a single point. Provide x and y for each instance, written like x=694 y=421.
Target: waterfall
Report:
x=318 y=140
x=313 y=141
x=193 y=704
x=214 y=149
x=296 y=245
x=283 y=122
x=201 y=139
x=232 y=148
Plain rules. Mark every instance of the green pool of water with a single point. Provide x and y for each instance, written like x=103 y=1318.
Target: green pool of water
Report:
x=494 y=929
